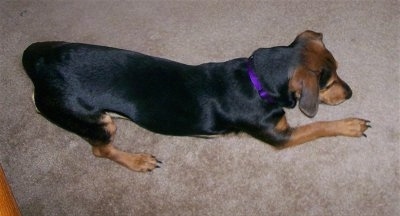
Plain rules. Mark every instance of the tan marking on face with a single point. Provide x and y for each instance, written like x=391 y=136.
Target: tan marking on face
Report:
x=334 y=95
x=316 y=58
x=335 y=92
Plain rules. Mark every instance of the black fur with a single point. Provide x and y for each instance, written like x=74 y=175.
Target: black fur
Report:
x=76 y=83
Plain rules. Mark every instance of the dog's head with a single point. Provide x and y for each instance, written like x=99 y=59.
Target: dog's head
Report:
x=305 y=71
x=315 y=80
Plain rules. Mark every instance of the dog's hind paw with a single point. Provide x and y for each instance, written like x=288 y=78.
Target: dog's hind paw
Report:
x=140 y=162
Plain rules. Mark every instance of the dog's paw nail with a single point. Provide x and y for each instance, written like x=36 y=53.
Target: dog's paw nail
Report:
x=157 y=167
x=365 y=135
x=159 y=161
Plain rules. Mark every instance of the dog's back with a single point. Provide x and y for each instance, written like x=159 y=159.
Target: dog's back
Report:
x=158 y=94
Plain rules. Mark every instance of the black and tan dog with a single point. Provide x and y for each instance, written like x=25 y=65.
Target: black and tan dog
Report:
x=78 y=85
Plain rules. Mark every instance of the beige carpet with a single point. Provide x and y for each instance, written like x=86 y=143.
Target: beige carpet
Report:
x=52 y=172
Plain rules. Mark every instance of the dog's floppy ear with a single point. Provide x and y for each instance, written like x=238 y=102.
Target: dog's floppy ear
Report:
x=308 y=36
x=305 y=85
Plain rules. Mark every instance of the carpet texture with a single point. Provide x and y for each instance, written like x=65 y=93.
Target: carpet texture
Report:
x=53 y=172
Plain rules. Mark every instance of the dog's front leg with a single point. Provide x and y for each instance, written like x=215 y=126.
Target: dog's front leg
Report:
x=351 y=127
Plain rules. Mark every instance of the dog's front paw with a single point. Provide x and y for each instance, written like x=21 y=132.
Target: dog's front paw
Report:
x=354 y=127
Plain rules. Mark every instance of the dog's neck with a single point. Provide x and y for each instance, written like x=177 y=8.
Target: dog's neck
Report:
x=265 y=95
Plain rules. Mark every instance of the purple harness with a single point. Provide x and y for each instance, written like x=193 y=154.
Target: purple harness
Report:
x=257 y=84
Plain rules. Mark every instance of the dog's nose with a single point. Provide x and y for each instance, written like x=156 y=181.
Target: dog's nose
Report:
x=349 y=93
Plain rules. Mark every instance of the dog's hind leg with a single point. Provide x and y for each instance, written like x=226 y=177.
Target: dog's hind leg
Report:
x=98 y=129
x=140 y=162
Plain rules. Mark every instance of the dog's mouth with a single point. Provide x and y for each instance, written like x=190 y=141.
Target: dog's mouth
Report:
x=332 y=104
x=332 y=101
x=335 y=96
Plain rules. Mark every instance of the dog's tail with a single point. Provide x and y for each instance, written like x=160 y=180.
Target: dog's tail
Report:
x=34 y=54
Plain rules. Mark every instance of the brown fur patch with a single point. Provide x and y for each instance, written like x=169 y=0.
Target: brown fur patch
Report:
x=352 y=127
x=282 y=125
x=139 y=162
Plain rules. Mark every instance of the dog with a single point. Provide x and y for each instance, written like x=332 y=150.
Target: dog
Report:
x=77 y=86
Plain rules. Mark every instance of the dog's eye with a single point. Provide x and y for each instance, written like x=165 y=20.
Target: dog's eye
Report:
x=324 y=77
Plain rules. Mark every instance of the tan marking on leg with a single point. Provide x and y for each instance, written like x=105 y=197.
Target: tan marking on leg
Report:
x=282 y=125
x=109 y=125
x=116 y=115
x=139 y=162
x=351 y=127
x=134 y=161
